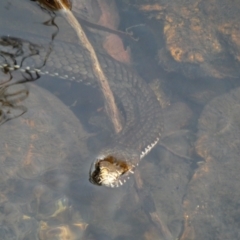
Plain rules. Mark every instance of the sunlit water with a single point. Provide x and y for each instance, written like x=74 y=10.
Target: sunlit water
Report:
x=45 y=194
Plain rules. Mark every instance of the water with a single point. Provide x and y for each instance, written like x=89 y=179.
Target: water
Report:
x=174 y=183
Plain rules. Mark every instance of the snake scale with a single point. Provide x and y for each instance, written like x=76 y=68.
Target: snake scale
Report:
x=142 y=112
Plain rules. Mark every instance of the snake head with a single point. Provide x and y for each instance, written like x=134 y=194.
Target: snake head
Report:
x=110 y=171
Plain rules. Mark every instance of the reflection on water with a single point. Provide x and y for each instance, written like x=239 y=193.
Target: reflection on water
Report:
x=10 y=100
x=191 y=177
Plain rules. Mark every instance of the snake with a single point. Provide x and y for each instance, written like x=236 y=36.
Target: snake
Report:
x=143 y=120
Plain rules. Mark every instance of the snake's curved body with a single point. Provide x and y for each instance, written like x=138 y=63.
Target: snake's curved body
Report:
x=142 y=112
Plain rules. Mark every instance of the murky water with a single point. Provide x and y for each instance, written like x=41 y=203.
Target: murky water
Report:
x=185 y=188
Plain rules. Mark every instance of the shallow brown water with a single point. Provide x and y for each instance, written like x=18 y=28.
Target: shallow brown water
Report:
x=52 y=198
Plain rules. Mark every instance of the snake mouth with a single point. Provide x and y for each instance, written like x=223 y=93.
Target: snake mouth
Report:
x=110 y=172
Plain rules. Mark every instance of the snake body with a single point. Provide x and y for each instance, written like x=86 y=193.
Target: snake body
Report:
x=142 y=112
